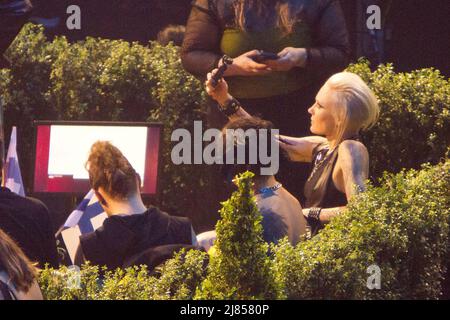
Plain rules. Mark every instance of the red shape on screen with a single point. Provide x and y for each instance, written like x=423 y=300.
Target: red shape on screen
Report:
x=42 y=156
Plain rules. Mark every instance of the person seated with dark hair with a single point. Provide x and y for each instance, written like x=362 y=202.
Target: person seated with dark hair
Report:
x=17 y=274
x=130 y=228
x=172 y=33
x=27 y=221
x=281 y=211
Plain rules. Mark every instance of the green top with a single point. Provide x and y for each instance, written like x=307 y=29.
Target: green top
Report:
x=236 y=42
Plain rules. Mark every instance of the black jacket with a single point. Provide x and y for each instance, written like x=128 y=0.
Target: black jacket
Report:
x=122 y=237
x=27 y=221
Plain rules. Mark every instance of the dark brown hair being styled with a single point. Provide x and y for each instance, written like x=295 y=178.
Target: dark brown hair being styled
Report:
x=230 y=170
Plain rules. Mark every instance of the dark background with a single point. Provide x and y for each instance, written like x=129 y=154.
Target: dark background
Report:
x=132 y=20
x=416 y=32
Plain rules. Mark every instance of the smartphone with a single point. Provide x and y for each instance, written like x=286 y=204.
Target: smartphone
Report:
x=265 y=56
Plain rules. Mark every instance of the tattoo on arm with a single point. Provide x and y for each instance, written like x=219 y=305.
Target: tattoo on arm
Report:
x=355 y=166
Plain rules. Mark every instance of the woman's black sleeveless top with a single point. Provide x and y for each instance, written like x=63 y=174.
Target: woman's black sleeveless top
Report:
x=320 y=190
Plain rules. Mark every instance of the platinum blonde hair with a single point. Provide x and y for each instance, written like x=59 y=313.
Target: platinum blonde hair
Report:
x=356 y=107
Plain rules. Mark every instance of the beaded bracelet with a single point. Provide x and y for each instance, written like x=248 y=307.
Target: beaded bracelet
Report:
x=230 y=108
x=314 y=214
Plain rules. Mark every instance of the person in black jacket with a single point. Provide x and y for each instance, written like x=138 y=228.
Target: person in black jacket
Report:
x=131 y=228
x=28 y=222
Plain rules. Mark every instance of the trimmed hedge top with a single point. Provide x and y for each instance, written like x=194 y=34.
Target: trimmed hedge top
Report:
x=402 y=227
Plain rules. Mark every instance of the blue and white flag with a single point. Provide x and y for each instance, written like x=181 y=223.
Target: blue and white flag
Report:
x=87 y=217
x=13 y=178
x=86 y=214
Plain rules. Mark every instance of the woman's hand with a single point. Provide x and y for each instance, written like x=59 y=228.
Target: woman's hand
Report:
x=219 y=92
x=221 y=95
x=244 y=65
x=289 y=58
x=299 y=149
x=294 y=147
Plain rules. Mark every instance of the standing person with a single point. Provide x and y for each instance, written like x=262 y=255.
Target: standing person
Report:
x=344 y=107
x=309 y=38
x=17 y=274
x=130 y=228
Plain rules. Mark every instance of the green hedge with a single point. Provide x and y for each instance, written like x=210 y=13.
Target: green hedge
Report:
x=414 y=123
x=177 y=279
x=401 y=226
x=106 y=80
x=239 y=268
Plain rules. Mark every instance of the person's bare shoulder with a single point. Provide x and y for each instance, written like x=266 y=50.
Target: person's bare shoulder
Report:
x=353 y=162
x=353 y=150
x=293 y=201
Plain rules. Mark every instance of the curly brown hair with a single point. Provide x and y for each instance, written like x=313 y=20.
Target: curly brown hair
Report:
x=108 y=168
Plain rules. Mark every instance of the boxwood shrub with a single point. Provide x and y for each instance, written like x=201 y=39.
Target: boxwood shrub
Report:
x=176 y=279
x=401 y=227
x=415 y=117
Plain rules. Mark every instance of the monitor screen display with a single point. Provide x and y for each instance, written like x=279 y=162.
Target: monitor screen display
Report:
x=63 y=148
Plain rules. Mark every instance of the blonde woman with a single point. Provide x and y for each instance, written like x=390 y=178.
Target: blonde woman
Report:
x=17 y=274
x=344 y=107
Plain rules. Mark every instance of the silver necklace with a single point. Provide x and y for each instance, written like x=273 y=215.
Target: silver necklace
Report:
x=269 y=189
x=319 y=160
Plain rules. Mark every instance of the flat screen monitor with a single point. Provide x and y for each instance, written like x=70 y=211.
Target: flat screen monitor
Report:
x=62 y=149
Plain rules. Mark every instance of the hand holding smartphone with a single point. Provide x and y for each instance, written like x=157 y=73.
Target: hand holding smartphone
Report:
x=263 y=56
